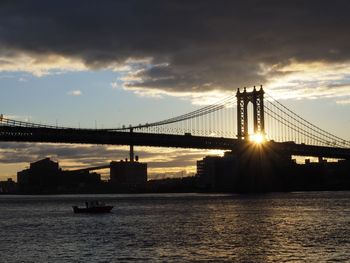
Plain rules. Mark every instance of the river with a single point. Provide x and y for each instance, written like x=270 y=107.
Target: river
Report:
x=277 y=227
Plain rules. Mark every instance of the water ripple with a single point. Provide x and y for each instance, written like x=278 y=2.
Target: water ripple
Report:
x=290 y=227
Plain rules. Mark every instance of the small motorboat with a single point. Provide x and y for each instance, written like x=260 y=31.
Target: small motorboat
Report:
x=94 y=207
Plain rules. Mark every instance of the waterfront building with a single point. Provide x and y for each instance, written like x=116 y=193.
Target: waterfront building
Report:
x=128 y=173
x=8 y=187
x=45 y=176
x=41 y=173
x=217 y=173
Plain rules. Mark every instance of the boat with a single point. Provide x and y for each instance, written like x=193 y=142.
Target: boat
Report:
x=93 y=207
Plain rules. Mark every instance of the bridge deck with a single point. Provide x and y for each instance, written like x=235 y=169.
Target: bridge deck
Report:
x=91 y=136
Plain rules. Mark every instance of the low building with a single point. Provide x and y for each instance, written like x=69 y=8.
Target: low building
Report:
x=80 y=178
x=126 y=173
x=41 y=173
x=217 y=173
x=45 y=166
x=8 y=187
x=45 y=176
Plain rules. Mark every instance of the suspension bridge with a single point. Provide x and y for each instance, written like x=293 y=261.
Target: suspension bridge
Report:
x=223 y=125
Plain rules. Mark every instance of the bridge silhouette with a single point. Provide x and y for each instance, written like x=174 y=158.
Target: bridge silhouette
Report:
x=223 y=125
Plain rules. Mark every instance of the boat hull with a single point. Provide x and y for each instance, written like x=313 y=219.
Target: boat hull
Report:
x=93 y=210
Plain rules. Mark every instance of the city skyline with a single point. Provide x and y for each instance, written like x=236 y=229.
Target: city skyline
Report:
x=117 y=63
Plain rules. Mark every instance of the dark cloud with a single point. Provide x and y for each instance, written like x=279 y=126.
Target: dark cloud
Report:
x=206 y=44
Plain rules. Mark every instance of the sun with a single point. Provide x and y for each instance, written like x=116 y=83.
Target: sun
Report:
x=257 y=138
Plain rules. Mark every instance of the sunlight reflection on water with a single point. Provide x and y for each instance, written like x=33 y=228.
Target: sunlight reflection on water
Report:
x=178 y=227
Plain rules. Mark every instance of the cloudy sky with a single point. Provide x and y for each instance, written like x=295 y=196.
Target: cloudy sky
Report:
x=109 y=63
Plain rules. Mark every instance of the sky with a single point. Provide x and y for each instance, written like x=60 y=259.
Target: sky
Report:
x=111 y=63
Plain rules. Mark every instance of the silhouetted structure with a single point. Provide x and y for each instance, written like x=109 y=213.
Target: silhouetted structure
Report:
x=247 y=168
x=8 y=187
x=257 y=99
x=128 y=173
x=41 y=173
x=172 y=185
x=216 y=172
x=261 y=168
x=45 y=176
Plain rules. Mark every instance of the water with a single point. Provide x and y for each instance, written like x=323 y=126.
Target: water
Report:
x=283 y=227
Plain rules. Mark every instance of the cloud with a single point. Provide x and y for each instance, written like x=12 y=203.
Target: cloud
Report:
x=37 y=64
x=343 y=102
x=175 y=46
x=310 y=80
x=18 y=117
x=74 y=93
x=114 y=85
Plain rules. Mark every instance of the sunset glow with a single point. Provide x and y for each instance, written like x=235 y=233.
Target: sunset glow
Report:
x=75 y=82
x=174 y=131
x=257 y=138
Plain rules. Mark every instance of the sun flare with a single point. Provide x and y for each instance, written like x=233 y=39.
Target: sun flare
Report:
x=257 y=138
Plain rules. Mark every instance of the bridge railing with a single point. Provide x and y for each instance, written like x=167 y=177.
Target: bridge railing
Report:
x=15 y=123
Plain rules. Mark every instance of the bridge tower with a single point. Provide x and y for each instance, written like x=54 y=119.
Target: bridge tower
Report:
x=256 y=97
